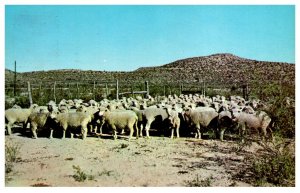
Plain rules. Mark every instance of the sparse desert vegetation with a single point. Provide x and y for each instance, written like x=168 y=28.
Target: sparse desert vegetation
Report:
x=183 y=161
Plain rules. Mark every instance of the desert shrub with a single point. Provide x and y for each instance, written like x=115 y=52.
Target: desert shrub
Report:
x=274 y=94
x=275 y=166
x=11 y=152
x=23 y=101
x=81 y=176
x=199 y=183
x=11 y=156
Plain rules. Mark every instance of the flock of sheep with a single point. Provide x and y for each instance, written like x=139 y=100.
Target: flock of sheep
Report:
x=193 y=113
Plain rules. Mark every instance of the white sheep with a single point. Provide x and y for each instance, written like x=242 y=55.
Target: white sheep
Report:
x=40 y=120
x=152 y=114
x=74 y=119
x=199 y=117
x=17 y=116
x=259 y=121
x=174 y=121
x=120 y=119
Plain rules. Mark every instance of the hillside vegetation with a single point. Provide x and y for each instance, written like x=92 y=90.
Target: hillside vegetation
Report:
x=220 y=69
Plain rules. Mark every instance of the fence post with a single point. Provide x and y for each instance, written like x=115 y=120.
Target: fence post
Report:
x=117 y=89
x=147 y=88
x=106 y=90
x=94 y=92
x=204 y=89
x=15 y=79
x=40 y=90
x=132 y=94
x=29 y=93
x=77 y=93
x=54 y=94
x=181 y=88
x=164 y=90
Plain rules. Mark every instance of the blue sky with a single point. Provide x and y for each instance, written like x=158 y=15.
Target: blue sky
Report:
x=124 y=38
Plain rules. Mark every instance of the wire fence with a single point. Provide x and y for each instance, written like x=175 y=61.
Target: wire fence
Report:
x=44 y=91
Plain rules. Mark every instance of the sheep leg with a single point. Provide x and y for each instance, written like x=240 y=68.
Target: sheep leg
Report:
x=222 y=131
x=95 y=129
x=9 y=126
x=114 y=132
x=64 y=134
x=137 y=129
x=131 y=132
x=172 y=132
x=91 y=128
x=198 y=134
x=141 y=127
x=84 y=132
x=51 y=134
x=177 y=131
x=33 y=130
x=72 y=135
x=100 y=128
x=147 y=129
x=242 y=132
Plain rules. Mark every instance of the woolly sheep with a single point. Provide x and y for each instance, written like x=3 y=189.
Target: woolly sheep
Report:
x=17 y=116
x=74 y=119
x=259 y=121
x=174 y=121
x=123 y=119
x=199 y=117
x=139 y=114
x=152 y=114
x=40 y=120
x=224 y=122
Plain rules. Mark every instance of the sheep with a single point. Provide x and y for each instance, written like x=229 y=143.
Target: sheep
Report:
x=259 y=121
x=41 y=108
x=93 y=112
x=74 y=119
x=17 y=116
x=139 y=113
x=16 y=107
x=120 y=119
x=201 y=116
x=152 y=114
x=224 y=122
x=174 y=121
x=40 y=120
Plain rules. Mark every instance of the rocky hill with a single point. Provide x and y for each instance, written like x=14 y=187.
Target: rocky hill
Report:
x=221 y=69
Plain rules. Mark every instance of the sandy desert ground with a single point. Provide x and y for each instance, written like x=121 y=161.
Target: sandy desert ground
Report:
x=159 y=161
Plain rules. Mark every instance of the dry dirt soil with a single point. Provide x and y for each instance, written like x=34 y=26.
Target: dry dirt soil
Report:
x=159 y=161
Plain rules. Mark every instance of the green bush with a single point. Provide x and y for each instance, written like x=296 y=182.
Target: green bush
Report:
x=199 y=183
x=79 y=175
x=11 y=156
x=278 y=169
x=11 y=152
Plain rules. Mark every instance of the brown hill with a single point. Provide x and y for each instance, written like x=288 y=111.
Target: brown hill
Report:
x=222 y=69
